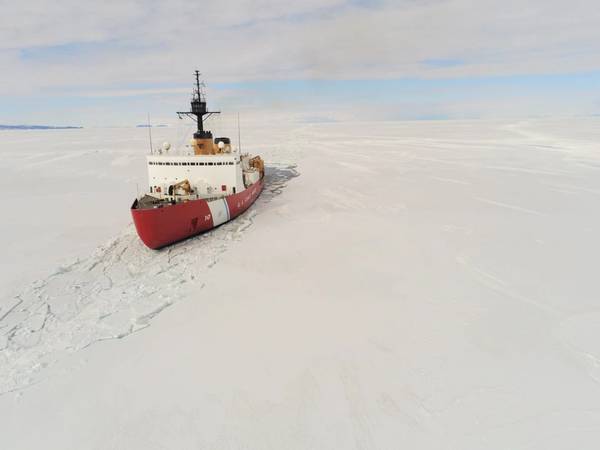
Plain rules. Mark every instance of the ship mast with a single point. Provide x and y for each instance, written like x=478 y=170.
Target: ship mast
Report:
x=198 y=110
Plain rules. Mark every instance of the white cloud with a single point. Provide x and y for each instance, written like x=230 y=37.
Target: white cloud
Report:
x=132 y=47
x=160 y=41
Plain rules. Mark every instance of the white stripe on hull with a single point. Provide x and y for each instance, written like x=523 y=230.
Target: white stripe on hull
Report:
x=219 y=211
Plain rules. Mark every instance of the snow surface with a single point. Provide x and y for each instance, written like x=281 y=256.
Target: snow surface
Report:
x=398 y=285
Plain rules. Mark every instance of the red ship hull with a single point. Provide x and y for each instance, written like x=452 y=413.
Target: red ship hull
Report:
x=158 y=227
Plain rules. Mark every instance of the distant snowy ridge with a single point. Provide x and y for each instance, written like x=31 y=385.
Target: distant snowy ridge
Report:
x=37 y=127
x=114 y=292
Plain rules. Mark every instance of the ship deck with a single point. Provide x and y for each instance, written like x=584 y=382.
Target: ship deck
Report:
x=151 y=202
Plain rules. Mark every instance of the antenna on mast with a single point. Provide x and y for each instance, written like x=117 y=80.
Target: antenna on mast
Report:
x=239 y=134
x=197 y=73
x=198 y=109
x=150 y=132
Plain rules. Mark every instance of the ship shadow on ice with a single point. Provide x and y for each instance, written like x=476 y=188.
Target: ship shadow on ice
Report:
x=112 y=293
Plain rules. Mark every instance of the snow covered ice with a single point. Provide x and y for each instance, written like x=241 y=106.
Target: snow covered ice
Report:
x=411 y=284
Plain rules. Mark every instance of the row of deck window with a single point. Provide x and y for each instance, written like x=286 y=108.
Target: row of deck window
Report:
x=223 y=163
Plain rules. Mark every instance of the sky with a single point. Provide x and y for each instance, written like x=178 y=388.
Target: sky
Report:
x=107 y=63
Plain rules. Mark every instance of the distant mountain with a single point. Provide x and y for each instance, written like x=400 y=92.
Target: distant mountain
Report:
x=35 y=127
x=145 y=125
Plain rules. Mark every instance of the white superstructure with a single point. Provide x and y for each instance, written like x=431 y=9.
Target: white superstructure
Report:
x=209 y=175
x=207 y=168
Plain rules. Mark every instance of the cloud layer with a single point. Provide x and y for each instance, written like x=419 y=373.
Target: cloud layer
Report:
x=84 y=47
x=77 y=42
